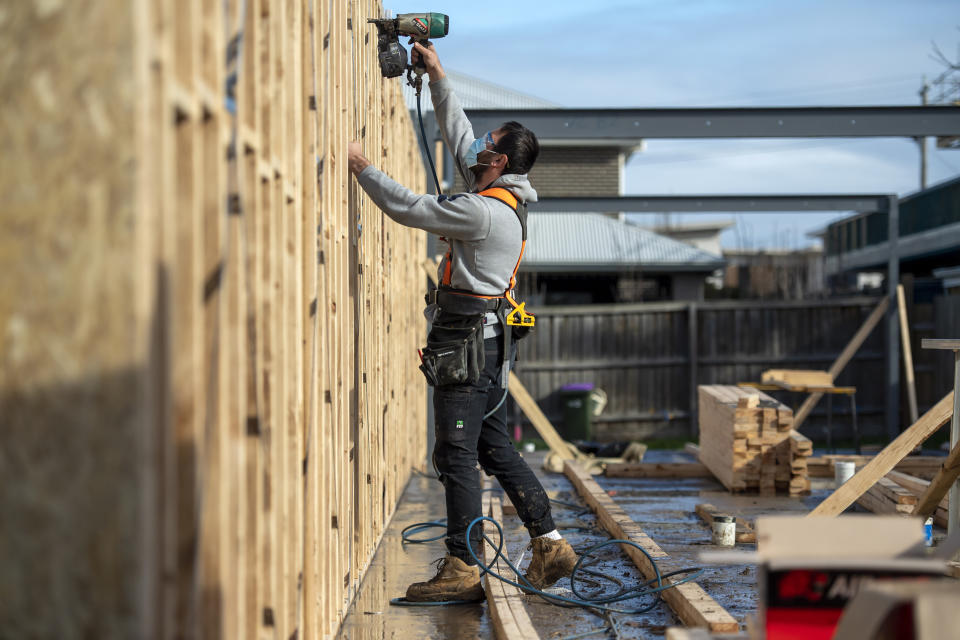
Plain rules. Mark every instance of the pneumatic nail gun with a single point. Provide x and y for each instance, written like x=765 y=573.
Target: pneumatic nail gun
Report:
x=420 y=27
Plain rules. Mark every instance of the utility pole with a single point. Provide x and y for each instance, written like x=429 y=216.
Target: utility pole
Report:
x=921 y=140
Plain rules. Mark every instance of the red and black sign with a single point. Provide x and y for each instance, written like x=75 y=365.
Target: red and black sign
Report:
x=823 y=587
x=807 y=603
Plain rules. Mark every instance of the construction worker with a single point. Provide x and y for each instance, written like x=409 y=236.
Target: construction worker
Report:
x=485 y=230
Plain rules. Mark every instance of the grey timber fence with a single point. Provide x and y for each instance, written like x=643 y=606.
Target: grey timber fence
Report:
x=649 y=359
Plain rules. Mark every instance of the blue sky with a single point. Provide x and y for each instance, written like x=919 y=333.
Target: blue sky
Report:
x=653 y=53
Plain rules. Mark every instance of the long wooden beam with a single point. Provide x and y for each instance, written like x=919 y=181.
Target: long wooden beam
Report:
x=940 y=485
x=657 y=470
x=540 y=422
x=921 y=466
x=689 y=601
x=907 y=354
x=845 y=356
x=886 y=460
x=507 y=612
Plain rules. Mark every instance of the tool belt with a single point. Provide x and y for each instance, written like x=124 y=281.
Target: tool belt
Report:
x=462 y=302
x=454 y=352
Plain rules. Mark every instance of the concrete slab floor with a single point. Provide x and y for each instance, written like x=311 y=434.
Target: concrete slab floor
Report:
x=396 y=565
x=664 y=508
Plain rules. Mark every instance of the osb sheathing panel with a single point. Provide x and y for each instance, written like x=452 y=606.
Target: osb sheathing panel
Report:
x=210 y=402
x=68 y=370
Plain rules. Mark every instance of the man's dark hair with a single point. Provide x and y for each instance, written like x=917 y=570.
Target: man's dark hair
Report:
x=520 y=146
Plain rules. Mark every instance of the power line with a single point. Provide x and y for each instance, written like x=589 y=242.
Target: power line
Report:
x=723 y=156
x=947 y=164
x=838 y=87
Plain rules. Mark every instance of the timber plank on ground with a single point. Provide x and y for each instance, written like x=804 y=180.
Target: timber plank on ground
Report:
x=689 y=601
x=919 y=486
x=657 y=470
x=507 y=612
x=925 y=467
x=887 y=459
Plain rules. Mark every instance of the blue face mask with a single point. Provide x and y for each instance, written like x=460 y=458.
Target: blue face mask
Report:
x=476 y=147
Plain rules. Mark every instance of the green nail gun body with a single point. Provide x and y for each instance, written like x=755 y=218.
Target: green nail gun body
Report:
x=420 y=27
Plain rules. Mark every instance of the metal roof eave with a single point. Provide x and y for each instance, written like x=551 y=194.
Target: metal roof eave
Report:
x=620 y=267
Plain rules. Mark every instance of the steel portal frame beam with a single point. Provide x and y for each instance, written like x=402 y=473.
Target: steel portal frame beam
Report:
x=756 y=122
x=717 y=203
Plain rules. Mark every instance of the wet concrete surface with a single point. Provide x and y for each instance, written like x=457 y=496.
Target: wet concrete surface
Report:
x=664 y=508
x=396 y=565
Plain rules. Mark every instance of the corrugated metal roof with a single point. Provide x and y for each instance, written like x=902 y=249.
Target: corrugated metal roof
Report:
x=594 y=242
x=475 y=93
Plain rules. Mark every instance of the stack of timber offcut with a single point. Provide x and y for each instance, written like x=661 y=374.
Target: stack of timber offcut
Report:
x=748 y=442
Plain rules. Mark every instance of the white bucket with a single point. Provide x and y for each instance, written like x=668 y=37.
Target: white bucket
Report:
x=843 y=470
x=724 y=531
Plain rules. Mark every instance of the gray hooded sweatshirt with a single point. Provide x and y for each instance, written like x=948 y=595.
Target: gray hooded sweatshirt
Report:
x=484 y=232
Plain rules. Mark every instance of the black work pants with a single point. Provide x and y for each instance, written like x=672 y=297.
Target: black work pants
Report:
x=463 y=438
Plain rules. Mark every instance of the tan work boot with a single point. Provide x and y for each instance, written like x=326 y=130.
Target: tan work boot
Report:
x=455 y=580
x=552 y=560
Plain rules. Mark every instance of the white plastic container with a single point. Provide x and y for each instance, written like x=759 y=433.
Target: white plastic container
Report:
x=724 y=530
x=843 y=470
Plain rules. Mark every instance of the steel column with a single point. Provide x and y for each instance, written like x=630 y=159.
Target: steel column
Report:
x=953 y=504
x=893 y=320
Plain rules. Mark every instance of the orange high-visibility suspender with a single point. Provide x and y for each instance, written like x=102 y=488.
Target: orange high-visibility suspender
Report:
x=506 y=197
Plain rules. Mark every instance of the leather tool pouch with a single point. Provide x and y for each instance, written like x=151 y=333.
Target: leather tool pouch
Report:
x=454 y=351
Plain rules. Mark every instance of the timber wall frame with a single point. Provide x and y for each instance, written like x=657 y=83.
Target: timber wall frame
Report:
x=209 y=392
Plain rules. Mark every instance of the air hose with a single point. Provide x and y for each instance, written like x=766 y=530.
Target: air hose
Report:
x=423 y=140
x=601 y=603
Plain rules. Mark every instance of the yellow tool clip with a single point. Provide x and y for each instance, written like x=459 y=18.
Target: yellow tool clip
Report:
x=520 y=318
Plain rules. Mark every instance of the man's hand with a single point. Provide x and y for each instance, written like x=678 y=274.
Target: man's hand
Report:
x=355 y=159
x=430 y=60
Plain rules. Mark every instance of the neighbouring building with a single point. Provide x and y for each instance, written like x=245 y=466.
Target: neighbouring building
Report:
x=780 y=274
x=592 y=258
x=929 y=238
x=857 y=250
x=704 y=235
